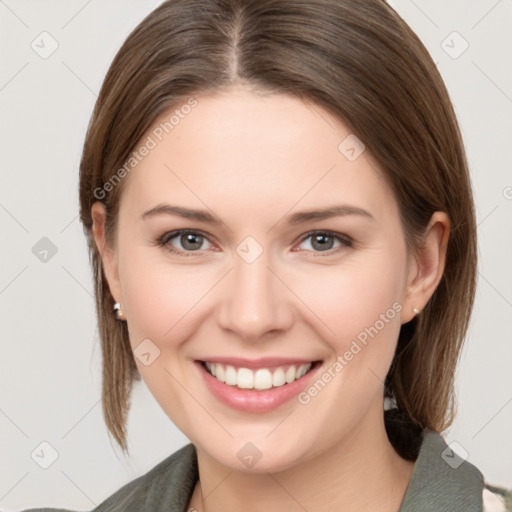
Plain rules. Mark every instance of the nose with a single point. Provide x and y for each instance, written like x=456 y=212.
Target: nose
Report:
x=256 y=301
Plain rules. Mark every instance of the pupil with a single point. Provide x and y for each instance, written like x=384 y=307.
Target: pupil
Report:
x=189 y=238
x=322 y=245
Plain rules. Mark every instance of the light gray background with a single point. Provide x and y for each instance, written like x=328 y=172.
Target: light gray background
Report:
x=50 y=360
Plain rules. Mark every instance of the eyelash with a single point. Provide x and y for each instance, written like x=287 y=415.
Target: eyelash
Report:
x=164 y=240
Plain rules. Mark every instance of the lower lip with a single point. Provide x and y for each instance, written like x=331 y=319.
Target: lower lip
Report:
x=250 y=400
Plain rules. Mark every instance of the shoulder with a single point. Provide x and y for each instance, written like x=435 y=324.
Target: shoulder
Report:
x=443 y=480
x=167 y=486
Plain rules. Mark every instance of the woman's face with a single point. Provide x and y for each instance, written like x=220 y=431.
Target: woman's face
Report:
x=264 y=280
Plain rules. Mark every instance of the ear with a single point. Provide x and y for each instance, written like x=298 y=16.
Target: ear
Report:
x=108 y=255
x=426 y=265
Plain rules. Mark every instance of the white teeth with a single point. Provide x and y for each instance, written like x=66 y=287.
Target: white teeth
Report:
x=245 y=378
x=219 y=372
x=303 y=370
x=290 y=374
x=230 y=376
x=278 y=377
x=260 y=379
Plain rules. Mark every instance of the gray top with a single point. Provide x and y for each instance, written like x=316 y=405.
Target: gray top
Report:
x=441 y=481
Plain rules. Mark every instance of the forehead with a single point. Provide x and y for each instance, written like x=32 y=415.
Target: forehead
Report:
x=248 y=152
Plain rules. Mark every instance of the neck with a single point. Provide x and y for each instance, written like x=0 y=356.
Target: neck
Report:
x=361 y=472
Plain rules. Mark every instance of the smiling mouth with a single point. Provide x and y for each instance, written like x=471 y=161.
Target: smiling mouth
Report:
x=258 y=379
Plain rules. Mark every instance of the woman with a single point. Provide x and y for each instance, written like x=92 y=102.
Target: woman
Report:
x=281 y=225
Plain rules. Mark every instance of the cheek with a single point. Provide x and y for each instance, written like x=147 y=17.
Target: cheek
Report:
x=162 y=304
x=352 y=295
x=361 y=304
x=357 y=311
x=160 y=297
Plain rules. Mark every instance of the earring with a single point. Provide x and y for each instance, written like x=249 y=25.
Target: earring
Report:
x=118 y=311
x=415 y=311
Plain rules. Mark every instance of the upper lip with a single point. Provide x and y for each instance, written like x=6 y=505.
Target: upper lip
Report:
x=263 y=362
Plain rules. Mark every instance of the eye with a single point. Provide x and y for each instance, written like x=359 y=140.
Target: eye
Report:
x=191 y=241
x=322 y=241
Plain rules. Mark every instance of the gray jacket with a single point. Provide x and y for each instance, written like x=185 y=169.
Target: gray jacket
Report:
x=441 y=482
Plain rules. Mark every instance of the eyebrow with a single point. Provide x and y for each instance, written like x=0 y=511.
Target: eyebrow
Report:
x=293 y=219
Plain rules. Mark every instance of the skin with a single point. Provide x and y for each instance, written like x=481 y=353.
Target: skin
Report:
x=251 y=160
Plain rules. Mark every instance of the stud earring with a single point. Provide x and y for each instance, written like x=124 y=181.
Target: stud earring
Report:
x=118 y=311
x=415 y=311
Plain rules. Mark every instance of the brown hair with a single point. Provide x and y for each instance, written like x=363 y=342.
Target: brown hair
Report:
x=360 y=61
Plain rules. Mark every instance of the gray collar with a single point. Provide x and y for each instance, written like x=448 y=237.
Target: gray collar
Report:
x=442 y=481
